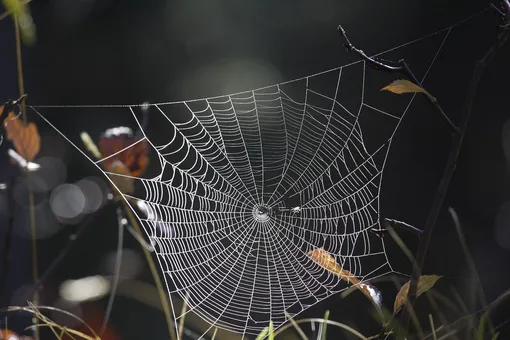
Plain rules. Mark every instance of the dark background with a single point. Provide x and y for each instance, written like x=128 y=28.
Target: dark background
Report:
x=129 y=52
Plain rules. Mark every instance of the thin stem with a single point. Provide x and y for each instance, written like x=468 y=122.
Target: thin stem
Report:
x=153 y=268
x=19 y=63
x=118 y=262
x=159 y=286
x=33 y=229
x=8 y=237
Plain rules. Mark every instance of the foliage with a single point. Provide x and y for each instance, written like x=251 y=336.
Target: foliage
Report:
x=25 y=137
x=425 y=283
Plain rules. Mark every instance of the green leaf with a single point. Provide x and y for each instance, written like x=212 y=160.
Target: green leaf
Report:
x=425 y=283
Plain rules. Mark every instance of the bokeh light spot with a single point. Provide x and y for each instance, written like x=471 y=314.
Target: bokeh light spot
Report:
x=67 y=201
x=94 y=196
x=85 y=289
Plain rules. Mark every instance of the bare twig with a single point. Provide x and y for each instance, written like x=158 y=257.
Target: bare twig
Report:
x=452 y=162
x=402 y=68
x=458 y=138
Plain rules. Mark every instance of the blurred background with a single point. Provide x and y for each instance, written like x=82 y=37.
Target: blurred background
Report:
x=130 y=52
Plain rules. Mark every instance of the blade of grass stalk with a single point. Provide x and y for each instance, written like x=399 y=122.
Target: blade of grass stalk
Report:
x=324 y=326
x=433 y=294
x=410 y=256
x=465 y=310
x=329 y=322
x=379 y=336
x=480 y=330
x=471 y=264
x=55 y=332
x=432 y=327
x=296 y=326
x=400 y=244
x=262 y=334
x=61 y=334
x=440 y=314
x=214 y=334
x=449 y=334
x=495 y=303
x=116 y=273
x=183 y=316
x=410 y=308
x=68 y=331
x=47 y=322
x=36 y=310
x=271 y=331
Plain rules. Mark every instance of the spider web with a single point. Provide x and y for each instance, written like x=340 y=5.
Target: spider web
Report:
x=250 y=182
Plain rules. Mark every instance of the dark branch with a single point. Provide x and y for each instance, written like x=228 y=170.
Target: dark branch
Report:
x=501 y=38
x=402 y=68
x=442 y=190
x=388 y=222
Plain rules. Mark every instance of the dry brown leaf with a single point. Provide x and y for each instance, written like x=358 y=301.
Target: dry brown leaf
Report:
x=425 y=283
x=26 y=138
x=325 y=260
x=401 y=86
x=124 y=182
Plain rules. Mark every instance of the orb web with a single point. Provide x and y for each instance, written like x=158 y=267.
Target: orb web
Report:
x=249 y=183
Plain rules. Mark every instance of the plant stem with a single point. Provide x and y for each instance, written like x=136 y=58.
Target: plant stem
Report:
x=449 y=170
x=33 y=229
x=8 y=237
x=153 y=268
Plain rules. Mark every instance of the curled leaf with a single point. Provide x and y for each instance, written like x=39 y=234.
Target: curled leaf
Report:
x=401 y=86
x=325 y=260
x=425 y=283
x=26 y=138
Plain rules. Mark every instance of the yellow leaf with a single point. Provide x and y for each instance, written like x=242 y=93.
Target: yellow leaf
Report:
x=425 y=283
x=325 y=260
x=404 y=86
